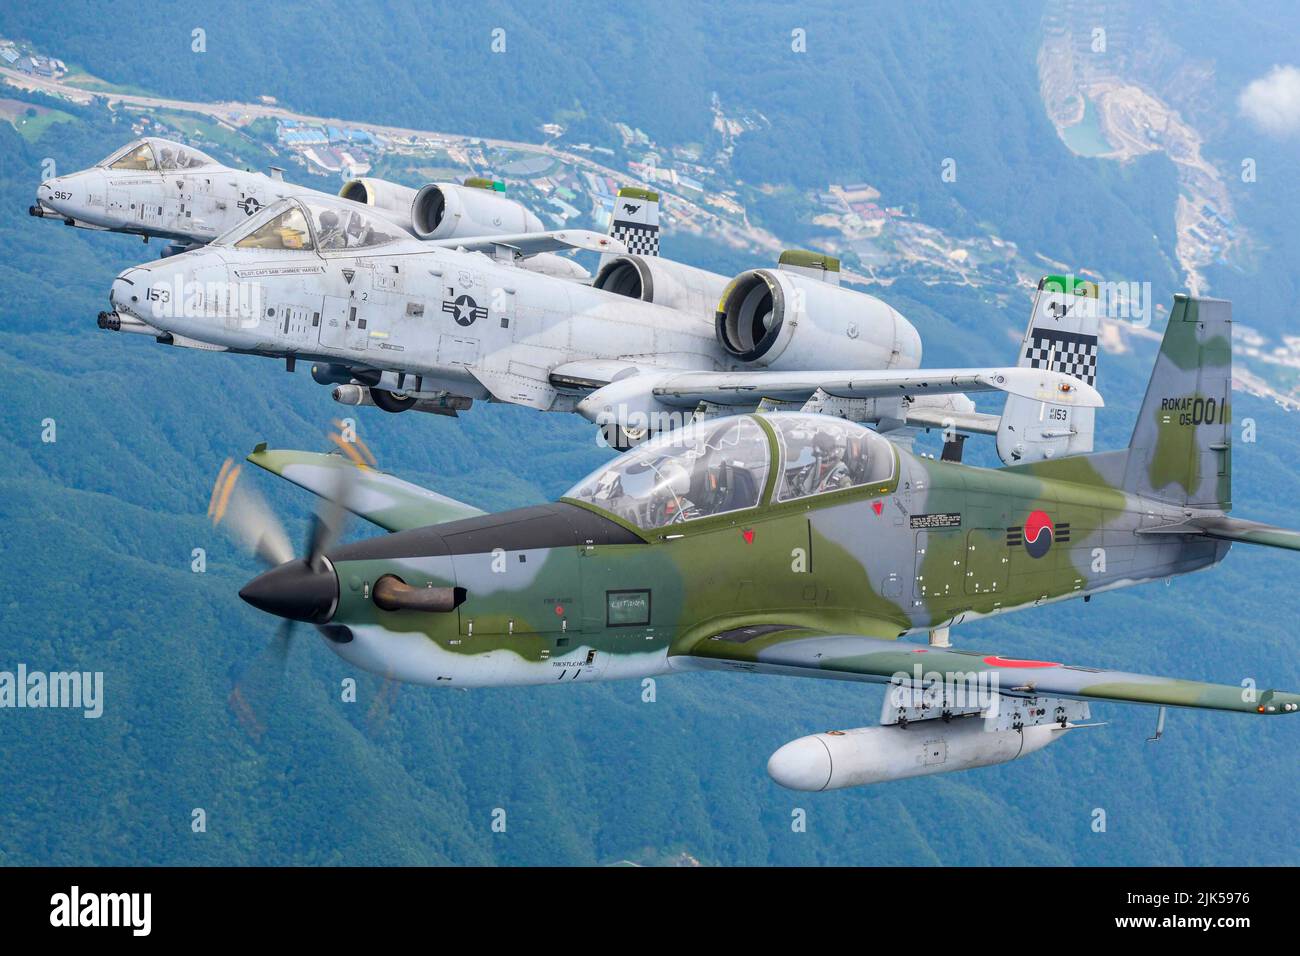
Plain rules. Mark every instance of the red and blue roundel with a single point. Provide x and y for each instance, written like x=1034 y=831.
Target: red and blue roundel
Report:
x=1039 y=533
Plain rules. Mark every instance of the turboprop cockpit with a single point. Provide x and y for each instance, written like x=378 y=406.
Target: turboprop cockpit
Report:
x=714 y=468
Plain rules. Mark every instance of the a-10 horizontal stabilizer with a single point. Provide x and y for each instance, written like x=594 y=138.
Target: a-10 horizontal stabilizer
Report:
x=979 y=423
x=380 y=498
x=785 y=649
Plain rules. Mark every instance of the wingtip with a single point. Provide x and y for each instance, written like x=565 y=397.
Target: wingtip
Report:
x=1278 y=702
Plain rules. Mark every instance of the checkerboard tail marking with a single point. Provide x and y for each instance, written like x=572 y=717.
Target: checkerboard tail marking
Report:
x=1072 y=353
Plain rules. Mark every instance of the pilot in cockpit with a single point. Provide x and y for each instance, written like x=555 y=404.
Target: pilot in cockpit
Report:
x=857 y=459
x=649 y=494
x=358 y=231
x=827 y=471
x=672 y=501
x=329 y=235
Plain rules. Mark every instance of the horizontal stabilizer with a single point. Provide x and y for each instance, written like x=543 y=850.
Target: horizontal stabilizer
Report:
x=380 y=498
x=1235 y=529
x=979 y=423
x=786 y=649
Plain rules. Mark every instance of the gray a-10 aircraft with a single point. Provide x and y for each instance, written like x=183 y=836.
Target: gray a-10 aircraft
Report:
x=1062 y=335
x=403 y=323
x=157 y=188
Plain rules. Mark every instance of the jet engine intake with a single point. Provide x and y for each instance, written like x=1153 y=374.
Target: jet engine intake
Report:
x=662 y=281
x=444 y=210
x=448 y=211
x=379 y=193
x=780 y=319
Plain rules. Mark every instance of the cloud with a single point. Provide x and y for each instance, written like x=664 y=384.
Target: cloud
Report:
x=1272 y=102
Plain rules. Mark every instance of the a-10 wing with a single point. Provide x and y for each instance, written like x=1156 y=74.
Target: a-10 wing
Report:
x=525 y=244
x=617 y=390
x=790 y=650
x=744 y=388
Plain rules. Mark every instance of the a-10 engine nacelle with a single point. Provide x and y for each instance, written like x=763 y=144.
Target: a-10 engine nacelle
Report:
x=445 y=210
x=853 y=758
x=663 y=282
x=784 y=320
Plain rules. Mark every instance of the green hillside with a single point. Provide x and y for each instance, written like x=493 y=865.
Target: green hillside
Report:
x=100 y=525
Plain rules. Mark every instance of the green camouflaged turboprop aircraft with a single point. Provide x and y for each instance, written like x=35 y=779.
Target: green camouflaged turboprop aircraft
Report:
x=795 y=544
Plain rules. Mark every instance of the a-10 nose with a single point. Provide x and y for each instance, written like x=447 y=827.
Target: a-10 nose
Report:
x=126 y=291
x=44 y=204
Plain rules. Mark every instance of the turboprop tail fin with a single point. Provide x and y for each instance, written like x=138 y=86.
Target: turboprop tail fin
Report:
x=1181 y=449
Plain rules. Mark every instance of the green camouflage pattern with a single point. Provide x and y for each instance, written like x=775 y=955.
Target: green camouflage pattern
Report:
x=825 y=585
x=378 y=497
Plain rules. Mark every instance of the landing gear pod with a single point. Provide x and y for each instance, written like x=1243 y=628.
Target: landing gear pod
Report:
x=853 y=758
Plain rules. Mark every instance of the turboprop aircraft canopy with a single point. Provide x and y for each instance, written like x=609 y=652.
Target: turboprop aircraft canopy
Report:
x=153 y=154
x=719 y=466
x=820 y=454
x=306 y=225
x=706 y=468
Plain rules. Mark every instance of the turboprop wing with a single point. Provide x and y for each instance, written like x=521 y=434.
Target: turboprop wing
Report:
x=795 y=651
x=380 y=498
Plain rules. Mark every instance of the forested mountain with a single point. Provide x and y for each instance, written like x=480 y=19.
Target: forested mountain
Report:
x=95 y=557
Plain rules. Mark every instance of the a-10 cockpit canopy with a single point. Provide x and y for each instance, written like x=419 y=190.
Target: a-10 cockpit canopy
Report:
x=314 y=224
x=152 y=154
x=715 y=467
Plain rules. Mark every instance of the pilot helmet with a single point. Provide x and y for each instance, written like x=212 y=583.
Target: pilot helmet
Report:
x=825 y=445
x=675 y=478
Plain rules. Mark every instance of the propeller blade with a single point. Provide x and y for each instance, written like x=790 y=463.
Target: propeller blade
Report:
x=258 y=686
x=332 y=512
x=381 y=705
x=246 y=516
x=328 y=522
